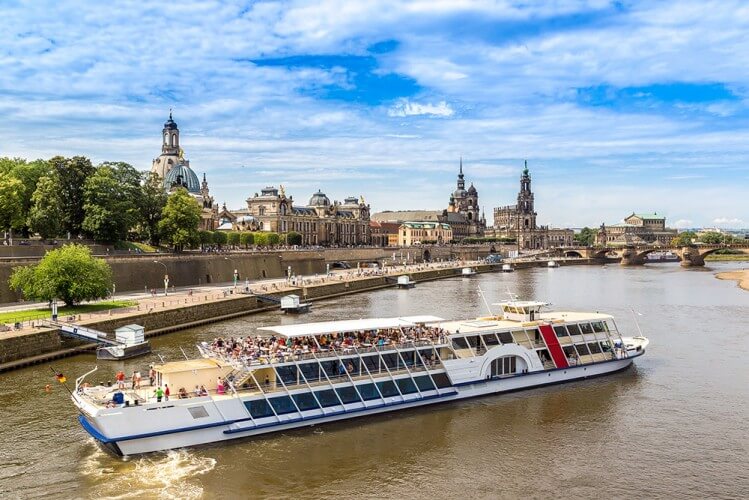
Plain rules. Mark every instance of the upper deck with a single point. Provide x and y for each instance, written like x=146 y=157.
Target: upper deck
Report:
x=497 y=323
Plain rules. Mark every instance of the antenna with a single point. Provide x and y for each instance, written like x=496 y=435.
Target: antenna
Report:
x=183 y=353
x=483 y=297
x=161 y=358
x=637 y=323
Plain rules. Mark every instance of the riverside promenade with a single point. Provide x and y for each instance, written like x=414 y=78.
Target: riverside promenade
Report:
x=194 y=306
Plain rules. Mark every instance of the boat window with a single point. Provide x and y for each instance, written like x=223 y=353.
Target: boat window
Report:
x=348 y=394
x=574 y=328
x=441 y=380
x=406 y=385
x=407 y=358
x=473 y=341
x=352 y=366
x=387 y=388
x=535 y=336
x=424 y=383
x=598 y=326
x=560 y=330
x=311 y=371
x=606 y=346
x=287 y=374
x=259 y=408
x=586 y=328
x=506 y=338
x=459 y=343
x=490 y=340
x=283 y=405
x=391 y=360
x=569 y=351
x=332 y=368
x=372 y=363
x=305 y=401
x=503 y=366
x=608 y=326
x=327 y=398
x=594 y=347
x=368 y=392
x=582 y=349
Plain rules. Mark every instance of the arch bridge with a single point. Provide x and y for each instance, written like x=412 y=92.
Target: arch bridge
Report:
x=636 y=255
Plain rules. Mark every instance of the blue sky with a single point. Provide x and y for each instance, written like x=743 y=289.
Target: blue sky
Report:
x=618 y=106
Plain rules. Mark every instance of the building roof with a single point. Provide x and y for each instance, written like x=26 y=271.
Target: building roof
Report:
x=182 y=174
x=648 y=216
x=426 y=225
x=319 y=199
x=407 y=215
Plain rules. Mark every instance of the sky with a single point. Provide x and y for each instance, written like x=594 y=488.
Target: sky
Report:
x=618 y=106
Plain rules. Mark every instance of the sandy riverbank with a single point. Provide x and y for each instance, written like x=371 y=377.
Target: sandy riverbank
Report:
x=741 y=277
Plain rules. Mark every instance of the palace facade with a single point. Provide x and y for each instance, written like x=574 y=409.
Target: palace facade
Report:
x=519 y=222
x=637 y=229
x=175 y=172
x=320 y=222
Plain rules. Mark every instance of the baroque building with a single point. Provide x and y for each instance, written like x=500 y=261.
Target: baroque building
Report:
x=463 y=212
x=637 y=229
x=320 y=222
x=175 y=172
x=519 y=221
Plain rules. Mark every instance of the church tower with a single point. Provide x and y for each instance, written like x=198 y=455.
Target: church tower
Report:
x=525 y=209
x=171 y=154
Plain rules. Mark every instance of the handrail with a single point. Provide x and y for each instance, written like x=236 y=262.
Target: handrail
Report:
x=80 y=379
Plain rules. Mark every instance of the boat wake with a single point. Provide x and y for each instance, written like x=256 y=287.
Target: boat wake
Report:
x=165 y=475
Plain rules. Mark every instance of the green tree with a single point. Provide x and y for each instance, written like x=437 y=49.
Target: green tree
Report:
x=246 y=239
x=152 y=202
x=71 y=175
x=684 y=239
x=711 y=238
x=273 y=239
x=111 y=201
x=46 y=214
x=233 y=238
x=11 y=197
x=294 y=238
x=29 y=174
x=70 y=274
x=219 y=238
x=205 y=237
x=261 y=239
x=586 y=237
x=180 y=220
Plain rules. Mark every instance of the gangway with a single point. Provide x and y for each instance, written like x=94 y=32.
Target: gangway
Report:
x=268 y=298
x=129 y=341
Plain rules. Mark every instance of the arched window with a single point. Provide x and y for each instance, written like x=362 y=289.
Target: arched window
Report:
x=166 y=138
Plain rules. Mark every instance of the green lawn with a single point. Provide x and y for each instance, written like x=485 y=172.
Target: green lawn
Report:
x=44 y=313
x=727 y=257
x=132 y=245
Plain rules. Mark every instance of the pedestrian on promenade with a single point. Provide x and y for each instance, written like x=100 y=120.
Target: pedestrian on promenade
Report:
x=151 y=374
x=134 y=379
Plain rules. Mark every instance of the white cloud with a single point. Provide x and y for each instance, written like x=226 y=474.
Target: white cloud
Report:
x=682 y=224
x=728 y=222
x=404 y=107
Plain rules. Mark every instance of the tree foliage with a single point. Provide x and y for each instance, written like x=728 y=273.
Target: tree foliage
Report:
x=69 y=273
x=586 y=237
x=684 y=239
x=111 y=201
x=261 y=239
x=71 y=174
x=180 y=220
x=11 y=193
x=293 y=238
x=219 y=238
x=233 y=238
x=246 y=239
x=273 y=239
x=151 y=205
x=46 y=214
x=29 y=174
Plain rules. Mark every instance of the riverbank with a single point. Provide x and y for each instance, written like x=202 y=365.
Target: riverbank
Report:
x=740 y=277
x=164 y=315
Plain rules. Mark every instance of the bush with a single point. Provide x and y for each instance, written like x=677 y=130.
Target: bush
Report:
x=294 y=238
x=273 y=239
x=246 y=239
x=261 y=239
x=205 y=237
x=233 y=238
x=69 y=273
x=219 y=238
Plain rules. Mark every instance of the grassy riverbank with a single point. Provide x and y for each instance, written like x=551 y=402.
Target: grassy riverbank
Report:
x=44 y=312
x=728 y=257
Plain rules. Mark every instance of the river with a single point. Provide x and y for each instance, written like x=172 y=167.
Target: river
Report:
x=674 y=425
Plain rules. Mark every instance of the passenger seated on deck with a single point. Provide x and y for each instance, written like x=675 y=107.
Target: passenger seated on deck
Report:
x=182 y=393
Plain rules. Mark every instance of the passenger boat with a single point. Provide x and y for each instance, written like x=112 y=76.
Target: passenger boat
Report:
x=552 y=263
x=308 y=374
x=467 y=272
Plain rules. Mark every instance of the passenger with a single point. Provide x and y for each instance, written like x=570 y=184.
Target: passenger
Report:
x=197 y=391
x=151 y=375
x=183 y=393
x=120 y=377
x=134 y=380
x=138 y=379
x=166 y=392
x=203 y=391
x=159 y=393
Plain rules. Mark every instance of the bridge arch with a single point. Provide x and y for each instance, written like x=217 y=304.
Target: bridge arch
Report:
x=573 y=253
x=427 y=256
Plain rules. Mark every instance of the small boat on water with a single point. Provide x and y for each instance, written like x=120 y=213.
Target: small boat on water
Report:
x=293 y=304
x=507 y=268
x=467 y=272
x=405 y=281
x=299 y=375
x=552 y=264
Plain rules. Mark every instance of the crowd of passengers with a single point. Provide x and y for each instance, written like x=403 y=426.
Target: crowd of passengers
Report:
x=267 y=349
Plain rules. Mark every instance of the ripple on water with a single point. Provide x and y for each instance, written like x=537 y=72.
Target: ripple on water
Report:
x=163 y=475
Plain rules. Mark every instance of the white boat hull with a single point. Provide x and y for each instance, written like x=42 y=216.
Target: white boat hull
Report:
x=227 y=417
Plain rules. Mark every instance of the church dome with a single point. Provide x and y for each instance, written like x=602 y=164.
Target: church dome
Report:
x=183 y=175
x=319 y=200
x=472 y=190
x=170 y=124
x=460 y=193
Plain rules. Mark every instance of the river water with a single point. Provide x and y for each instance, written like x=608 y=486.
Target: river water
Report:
x=675 y=425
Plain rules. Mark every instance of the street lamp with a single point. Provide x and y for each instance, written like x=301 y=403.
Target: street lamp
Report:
x=236 y=272
x=166 y=277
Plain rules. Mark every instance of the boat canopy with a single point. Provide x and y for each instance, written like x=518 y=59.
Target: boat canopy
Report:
x=353 y=325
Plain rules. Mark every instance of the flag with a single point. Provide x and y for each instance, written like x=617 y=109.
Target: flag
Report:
x=61 y=378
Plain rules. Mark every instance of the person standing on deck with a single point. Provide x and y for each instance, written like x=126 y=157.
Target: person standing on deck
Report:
x=151 y=374
x=166 y=392
x=159 y=393
x=120 y=379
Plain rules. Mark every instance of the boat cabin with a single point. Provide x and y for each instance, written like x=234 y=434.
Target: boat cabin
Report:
x=521 y=310
x=189 y=373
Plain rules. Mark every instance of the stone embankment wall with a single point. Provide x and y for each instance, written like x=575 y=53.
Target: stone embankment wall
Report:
x=139 y=272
